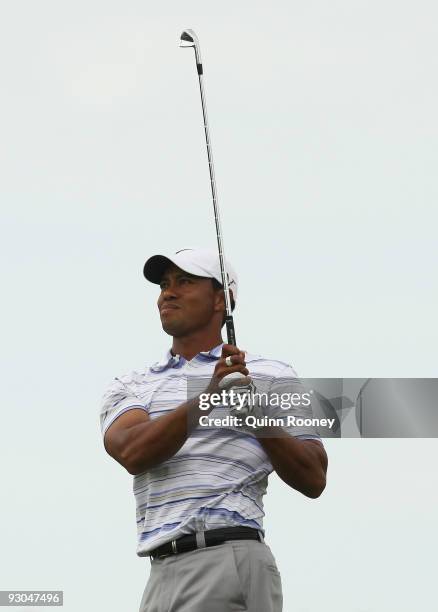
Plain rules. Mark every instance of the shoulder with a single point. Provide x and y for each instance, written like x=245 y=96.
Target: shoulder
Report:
x=271 y=367
x=129 y=381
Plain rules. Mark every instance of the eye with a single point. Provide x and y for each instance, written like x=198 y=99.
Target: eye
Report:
x=163 y=285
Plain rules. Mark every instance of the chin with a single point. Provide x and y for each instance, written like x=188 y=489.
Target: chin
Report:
x=172 y=330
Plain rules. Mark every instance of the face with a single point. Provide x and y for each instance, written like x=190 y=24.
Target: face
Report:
x=188 y=303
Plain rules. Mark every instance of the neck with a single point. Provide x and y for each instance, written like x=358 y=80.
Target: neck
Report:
x=191 y=345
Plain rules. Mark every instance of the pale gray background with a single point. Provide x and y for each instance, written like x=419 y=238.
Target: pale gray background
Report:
x=323 y=119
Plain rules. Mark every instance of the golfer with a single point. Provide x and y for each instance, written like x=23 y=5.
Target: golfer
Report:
x=199 y=490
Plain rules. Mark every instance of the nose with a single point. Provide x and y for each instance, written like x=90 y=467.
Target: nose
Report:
x=169 y=292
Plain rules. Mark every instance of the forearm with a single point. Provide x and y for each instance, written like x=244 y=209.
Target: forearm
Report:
x=149 y=444
x=300 y=465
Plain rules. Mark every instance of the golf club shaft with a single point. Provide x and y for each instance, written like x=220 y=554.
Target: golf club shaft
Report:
x=220 y=242
x=189 y=35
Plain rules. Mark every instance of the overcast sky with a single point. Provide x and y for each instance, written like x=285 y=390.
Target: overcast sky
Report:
x=324 y=132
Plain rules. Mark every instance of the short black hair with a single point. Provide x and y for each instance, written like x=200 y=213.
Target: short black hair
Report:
x=217 y=285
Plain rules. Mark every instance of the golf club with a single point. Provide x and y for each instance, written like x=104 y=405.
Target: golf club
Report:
x=189 y=39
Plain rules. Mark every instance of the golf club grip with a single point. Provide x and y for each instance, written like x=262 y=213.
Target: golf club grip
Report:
x=231 y=334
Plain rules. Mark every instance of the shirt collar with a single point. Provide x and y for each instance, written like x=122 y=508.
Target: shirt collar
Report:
x=215 y=352
x=173 y=361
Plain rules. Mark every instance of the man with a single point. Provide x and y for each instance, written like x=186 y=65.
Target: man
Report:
x=199 y=490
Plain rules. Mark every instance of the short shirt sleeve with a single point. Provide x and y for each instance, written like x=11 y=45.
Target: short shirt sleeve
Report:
x=117 y=399
x=290 y=400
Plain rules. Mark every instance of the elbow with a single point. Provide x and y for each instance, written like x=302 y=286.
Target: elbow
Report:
x=134 y=459
x=131 y=468
x=134 y=464
x=312 y=489
x=129 y=462
x=125 y=453
x=316 y=489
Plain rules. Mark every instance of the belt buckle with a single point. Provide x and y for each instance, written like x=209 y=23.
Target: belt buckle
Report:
x=174 y=551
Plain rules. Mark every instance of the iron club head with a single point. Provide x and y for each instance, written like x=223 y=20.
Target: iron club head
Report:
x=188 y=38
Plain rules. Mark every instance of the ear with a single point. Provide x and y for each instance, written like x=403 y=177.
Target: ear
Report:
x=219 y=300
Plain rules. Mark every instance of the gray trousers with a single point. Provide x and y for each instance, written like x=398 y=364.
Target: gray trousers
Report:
x=235 y=575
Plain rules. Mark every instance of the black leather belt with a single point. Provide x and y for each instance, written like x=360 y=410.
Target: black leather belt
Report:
x=212 y=538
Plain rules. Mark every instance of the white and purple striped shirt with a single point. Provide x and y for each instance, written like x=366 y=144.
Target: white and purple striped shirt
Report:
x=217 y=478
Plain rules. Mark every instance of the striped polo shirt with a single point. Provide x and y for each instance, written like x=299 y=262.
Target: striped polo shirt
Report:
x=219 y=476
